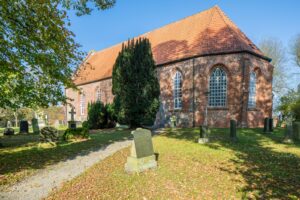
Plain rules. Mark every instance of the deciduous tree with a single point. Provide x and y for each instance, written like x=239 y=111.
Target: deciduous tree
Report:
x=274 y=49
x=296 y=50
x=38 y=52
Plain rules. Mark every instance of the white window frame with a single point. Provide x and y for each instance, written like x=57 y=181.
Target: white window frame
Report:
x=252 y=91
x=177 y=90
x=98 y=94
x=217 y=88
x=82 y=104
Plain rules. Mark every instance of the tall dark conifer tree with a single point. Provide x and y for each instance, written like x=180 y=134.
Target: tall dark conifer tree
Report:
x=135 y=84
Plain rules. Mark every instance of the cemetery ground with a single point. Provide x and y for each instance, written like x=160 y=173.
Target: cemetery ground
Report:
x=257 y=166
x=22 y=155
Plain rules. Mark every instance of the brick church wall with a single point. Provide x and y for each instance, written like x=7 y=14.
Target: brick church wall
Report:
x=237 y=67
x=90 y=96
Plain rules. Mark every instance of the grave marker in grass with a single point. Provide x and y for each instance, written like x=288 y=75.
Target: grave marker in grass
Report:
x=24 y=127
x=204 y=131
x=233 y=135
x=142 y=155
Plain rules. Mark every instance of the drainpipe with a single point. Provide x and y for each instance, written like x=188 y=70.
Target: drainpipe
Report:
x=193 y=92
x=244 y=97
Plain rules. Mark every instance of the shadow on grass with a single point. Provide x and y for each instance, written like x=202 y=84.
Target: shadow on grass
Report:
x=14 y=160
x=269 y=173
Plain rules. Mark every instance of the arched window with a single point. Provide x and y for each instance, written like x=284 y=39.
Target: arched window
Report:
x=177 y=91
x=82 y=104
x=252 y=91
x=217 y=88
x=98 y=94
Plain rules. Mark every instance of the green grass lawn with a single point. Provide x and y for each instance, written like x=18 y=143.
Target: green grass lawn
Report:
x=22 y=155
x=256 y=167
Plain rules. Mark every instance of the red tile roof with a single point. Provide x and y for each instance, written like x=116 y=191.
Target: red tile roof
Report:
x=207 y=32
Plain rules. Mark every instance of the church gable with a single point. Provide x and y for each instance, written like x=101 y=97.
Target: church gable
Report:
x=209 y=32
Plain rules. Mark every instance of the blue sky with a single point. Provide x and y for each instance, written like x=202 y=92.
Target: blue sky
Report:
x=258 y=19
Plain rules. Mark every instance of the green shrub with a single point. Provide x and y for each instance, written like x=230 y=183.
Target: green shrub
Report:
x=100 y=116
x=111 y=116
x=296 y=110
x=78 y=133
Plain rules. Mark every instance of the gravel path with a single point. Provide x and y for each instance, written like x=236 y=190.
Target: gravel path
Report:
x=43 y=182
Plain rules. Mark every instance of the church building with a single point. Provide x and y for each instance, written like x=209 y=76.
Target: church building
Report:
x=209 y=72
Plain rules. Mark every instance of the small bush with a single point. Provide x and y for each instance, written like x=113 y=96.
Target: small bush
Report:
x=100 y=116
x=78 y=133
x=296 y=110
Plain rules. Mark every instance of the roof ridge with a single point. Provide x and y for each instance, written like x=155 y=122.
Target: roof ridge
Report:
x=162 y=26
x=222 y=14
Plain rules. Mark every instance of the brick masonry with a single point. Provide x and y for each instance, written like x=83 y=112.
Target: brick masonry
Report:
x=196 y=74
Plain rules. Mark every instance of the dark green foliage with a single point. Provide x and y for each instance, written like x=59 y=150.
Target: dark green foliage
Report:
x=296 y=130
x=135 y=84
x=78 y=133
x=100 y=116
x=49 y=134
x=111 y=115
x=296 y=110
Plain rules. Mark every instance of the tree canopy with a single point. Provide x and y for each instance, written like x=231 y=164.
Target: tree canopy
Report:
x=38 y=53
x=273 y=48
x=135 y=84
x=296 y=50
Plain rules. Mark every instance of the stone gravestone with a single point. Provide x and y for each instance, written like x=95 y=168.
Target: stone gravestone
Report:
x=288 y=138
x=233 y=136
x=24 y=127
x=72 y=122
x=49 y=134
x=266 y=125
x=173 y=120
x=35 y=126
x=204 y=131
x=271 y=125
x=141 y=156
x=9 y=130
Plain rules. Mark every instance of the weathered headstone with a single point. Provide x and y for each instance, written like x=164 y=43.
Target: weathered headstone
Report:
x=8 y=130
x=49 y=134
x=72 y=122
x=8 y=125
x=266 y=125
x=24 y=127
x=204 y=131
x=233 y=135
x=271 y=125
x=141 y=156
x=35 y=126
x=288 y=138
x=296 y=131
x=173 y=120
